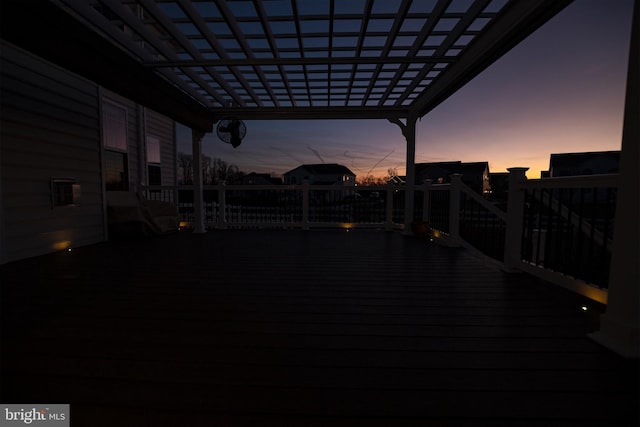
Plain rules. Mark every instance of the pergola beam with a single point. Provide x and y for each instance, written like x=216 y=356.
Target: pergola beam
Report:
x=312 y=113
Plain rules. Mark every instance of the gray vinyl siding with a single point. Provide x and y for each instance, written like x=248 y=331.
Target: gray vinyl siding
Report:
x=49 y=128
x=163 y=128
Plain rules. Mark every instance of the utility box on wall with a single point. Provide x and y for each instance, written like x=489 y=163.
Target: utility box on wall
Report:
x=64 y=192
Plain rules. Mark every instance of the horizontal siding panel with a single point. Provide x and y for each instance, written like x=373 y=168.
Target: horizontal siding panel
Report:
x=50 y=128
x=54 y=163
x=26 y=247
x=84 y=212
x=70 y=228
x=19 y=124
x=47 y=92
x=32 y=65
x=48 y=117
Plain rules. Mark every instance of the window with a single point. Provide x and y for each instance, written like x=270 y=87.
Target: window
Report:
x=114 y=127
x=114 y=139
x=116 y=173
x=64 y=192
x=154 y=174
x=154 y=169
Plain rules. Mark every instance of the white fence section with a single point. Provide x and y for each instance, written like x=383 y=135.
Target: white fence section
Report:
x=559 y=229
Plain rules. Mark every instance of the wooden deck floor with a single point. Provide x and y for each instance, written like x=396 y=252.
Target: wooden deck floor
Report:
x=302 y=328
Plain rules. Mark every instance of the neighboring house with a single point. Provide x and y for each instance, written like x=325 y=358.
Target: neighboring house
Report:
x=397 y=180
x=499 y=189
x=321 y=174
x=261 y=197
x=499 y=184
x=585 y=163
x=475 y=174
x=58 y=158
x=260 y=179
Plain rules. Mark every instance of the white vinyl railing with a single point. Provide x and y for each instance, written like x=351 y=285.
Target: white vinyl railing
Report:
x=557 y=228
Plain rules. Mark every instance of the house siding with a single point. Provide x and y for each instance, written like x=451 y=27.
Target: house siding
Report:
x=49 y=128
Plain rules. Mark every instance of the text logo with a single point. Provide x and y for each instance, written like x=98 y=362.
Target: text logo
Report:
x=36 y=415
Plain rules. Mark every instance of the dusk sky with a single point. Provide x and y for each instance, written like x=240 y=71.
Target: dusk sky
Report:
x=561 y=90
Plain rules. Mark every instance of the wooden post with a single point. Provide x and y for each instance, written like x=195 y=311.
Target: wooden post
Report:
x=515 y=210
x=454 y=209
x=198 y=200
x=620 y=325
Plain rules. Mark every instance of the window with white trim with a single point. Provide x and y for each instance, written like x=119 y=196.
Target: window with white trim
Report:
x=154 y=168
x=114 y=140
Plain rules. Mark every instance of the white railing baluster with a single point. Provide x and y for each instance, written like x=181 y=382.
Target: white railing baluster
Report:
x=222 y=205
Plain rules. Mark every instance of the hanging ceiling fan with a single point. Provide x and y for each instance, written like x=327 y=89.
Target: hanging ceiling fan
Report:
x=231 y=131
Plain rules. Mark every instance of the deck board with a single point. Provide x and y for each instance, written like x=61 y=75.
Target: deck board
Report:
x=303 y=328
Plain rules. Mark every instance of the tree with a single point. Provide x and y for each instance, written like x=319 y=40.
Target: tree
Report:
x=214 y=170
x=185 y=169
x=370 y=180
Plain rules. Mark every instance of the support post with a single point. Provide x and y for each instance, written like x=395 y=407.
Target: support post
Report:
x=409 y=132
x=620 y=325
x=515 y=211
x=198 y=200
x=454 y=209
x=409 y=200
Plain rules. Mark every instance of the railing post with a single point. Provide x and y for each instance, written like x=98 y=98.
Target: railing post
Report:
x=305 y=205
x=222 y=205
x=515 y=212
x=454 y=209
x=389 y=207
x=426 y=200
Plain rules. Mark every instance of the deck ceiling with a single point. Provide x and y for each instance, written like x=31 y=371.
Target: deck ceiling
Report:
x=277 y=59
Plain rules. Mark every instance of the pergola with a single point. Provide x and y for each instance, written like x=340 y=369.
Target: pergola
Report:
x=201 y=61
